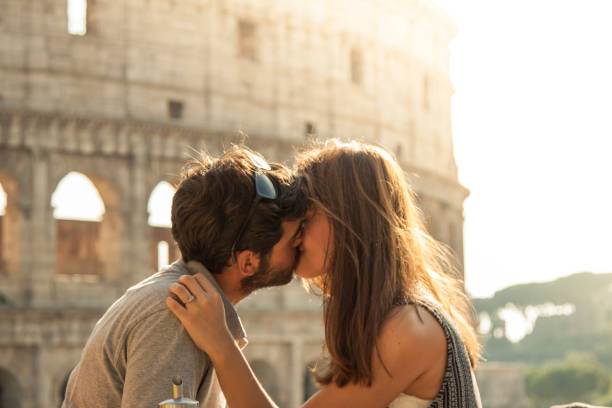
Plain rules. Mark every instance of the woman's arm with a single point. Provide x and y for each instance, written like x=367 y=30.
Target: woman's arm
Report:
x=408 y=346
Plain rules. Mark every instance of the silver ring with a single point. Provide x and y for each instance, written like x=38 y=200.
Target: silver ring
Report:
x=191 y=299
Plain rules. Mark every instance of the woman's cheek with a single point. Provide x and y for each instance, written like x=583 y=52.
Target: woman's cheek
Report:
x=309 y=266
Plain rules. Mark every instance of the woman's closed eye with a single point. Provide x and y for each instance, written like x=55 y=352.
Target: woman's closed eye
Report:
x=298 y=232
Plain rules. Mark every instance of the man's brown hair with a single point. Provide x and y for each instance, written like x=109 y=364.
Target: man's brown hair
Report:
x=212 y=201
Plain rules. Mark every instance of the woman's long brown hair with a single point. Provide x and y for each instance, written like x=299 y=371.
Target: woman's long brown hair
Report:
x=382 y=255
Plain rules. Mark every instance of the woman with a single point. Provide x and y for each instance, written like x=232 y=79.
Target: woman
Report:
x=397 y=323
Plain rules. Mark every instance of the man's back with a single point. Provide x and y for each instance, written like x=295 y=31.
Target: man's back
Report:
x=136 y=348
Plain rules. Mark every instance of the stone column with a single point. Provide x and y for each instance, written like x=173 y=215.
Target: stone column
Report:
x=296 y=391
x=40 y=233
x=136 y=239
x=12 y=241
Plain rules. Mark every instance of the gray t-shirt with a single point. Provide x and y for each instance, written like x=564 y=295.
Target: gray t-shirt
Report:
x=139 y=345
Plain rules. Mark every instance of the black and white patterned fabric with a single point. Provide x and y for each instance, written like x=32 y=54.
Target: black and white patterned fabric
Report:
x=459 y=388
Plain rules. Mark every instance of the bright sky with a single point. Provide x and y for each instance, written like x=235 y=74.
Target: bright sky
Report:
x=532 y=125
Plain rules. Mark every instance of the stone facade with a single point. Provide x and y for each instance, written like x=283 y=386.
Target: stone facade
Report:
x=502 y=385
x=124 y=105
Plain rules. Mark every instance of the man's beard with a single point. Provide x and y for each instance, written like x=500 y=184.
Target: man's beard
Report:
x=266 y=276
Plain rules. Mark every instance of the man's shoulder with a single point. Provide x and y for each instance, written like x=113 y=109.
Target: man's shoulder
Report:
x=142 y=301
x=155 y=287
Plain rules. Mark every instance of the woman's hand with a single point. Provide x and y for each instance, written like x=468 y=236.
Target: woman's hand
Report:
x=203 y=314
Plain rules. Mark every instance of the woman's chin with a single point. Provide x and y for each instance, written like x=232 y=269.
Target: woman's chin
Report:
x=307 y=273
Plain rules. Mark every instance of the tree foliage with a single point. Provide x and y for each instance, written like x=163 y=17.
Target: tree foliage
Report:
x=588 y=329
x=578 y=288
x=567 y=381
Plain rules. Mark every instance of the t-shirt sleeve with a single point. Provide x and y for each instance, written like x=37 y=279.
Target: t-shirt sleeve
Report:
x=157 y=349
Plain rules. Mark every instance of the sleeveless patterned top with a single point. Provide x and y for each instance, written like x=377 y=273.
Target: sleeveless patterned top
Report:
x=459 y=388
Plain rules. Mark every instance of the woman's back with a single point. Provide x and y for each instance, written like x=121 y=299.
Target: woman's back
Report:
x=458 y=387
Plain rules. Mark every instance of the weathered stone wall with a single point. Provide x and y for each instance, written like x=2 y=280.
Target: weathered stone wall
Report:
x=39 y=347
x=140 y=54
x=502 y=385
x=153 y=79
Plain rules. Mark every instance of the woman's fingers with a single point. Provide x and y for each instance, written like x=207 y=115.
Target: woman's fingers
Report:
x=176 y=308
x=181 y=292
x=204 y=320
x=200 y=286
x=196 y=287
x=205 y=284
x=189 y=282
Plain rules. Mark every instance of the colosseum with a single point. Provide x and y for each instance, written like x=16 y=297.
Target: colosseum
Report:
x=122 y=92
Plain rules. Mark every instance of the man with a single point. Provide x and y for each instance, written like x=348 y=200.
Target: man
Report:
x=235 y=219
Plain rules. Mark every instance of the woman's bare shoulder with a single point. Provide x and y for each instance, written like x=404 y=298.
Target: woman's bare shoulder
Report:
x=414 y=324
x=411 y=338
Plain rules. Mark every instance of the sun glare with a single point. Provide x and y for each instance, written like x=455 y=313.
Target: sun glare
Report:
x=531 y=136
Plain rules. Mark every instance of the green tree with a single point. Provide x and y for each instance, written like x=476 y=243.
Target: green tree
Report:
x=567 y=381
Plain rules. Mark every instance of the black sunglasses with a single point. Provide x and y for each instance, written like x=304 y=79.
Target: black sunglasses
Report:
x=263 y=189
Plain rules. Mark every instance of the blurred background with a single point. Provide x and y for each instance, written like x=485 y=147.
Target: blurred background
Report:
x=499 y=112
x=532 y=133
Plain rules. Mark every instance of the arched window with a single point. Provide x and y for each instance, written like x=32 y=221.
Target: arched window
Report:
x=76 y=13
x=160 y=204
x=356 y=66
x=10 y=391
x=247 y=40
x=163 y=250
x=163 y=254
x=78 y=210
x=76 y=198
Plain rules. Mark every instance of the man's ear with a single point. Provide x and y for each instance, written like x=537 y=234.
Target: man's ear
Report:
x=248 y=262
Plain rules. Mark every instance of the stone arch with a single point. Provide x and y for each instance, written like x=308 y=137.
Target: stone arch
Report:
x=95 y=249
x=310 y=384
x=10 y=390
x=267 y=376
x=11 y=227
x=158 y=208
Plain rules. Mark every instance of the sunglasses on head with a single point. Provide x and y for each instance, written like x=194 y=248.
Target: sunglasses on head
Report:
x=263 y=189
